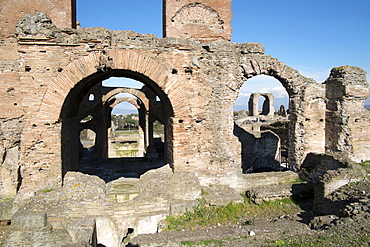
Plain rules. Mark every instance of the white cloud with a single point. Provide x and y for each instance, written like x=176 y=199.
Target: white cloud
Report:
x=277 y=91
x=262 y=84
x=124 y=108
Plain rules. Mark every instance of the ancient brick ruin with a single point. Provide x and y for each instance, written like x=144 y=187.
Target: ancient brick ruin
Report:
x=192 y=77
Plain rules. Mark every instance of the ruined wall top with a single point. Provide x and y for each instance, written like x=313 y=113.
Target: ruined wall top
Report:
x=205 y=20
x=61 y=12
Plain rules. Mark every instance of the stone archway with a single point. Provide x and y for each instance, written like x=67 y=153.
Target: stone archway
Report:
x=76 y=79
x=135 y=92
x=302 y=126
x=135 y=144
x=268 y=104
x=97 y=64
x=141 y=103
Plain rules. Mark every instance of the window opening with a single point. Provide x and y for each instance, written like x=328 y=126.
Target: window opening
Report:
x=91 y=97
x=87 y=144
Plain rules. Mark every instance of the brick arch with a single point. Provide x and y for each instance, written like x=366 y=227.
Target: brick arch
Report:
x=135 y=92
x=86 y=66
x=296 y=85
x=14 y=10
x=129 y=100
x=290 y=78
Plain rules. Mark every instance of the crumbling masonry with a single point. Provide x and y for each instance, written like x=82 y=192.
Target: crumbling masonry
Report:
x=192 y=78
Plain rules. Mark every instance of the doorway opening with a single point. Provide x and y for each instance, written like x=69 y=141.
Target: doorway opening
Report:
x=261 y=123
x=109 y=119
x=126 y=139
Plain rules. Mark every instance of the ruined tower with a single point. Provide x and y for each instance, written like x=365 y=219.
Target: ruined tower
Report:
x=205 y=20
x=62 y=13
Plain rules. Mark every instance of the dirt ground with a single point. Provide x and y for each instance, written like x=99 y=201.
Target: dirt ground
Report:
x=294 y=229
x=286 y=231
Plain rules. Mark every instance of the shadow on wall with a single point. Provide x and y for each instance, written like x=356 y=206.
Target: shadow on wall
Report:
x=259 y=150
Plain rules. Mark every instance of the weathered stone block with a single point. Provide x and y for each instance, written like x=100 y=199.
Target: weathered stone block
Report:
x=182 y=207
x=164 y=183
x=221 y=195
x=269 y=178
x=82 y=230
x=6 y=210
x=28 y=219
x=268 y=193
x=329 y=173
x=148 y=224
x=106 y=231
x=184 y=186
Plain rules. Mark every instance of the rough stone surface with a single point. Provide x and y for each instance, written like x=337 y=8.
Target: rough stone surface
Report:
x=322 y=222
x=221 y=195
x=351 y=200
x=269 y=178
x=48 y=69
x=183 y=185
x=347 y=89
x=6 y=211
x=34 y=25
x=61 y=12
x=269 y=193
x=328 y=173
x=327 y=169
x=82 y=230
x=27 y=219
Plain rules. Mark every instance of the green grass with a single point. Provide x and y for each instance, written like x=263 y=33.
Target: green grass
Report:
x=298 y=181
x=204 y=192
x=126 y=133
x=47 y=190
x=206 y=216
x=126 y=153
x=366 y=166
x=204 y=242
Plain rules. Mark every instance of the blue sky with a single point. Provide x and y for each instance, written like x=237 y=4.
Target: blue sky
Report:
x=310 y=36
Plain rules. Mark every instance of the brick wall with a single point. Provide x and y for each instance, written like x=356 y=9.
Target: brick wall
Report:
x=42 y=79
x=205 y=20
x=62 y=13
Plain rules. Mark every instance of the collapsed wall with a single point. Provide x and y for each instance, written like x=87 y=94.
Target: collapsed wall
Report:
x=347 y=121
x=327 y=173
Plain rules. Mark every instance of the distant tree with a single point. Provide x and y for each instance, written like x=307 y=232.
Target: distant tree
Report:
x=125 y=121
